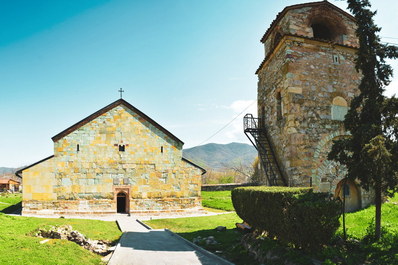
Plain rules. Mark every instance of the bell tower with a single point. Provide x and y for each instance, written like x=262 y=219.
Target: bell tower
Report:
x=305 y=84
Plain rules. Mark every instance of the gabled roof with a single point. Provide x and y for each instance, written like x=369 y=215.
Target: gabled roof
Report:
x=195 y=165
x=310 y=4
x=106 y=109
x=19 y=171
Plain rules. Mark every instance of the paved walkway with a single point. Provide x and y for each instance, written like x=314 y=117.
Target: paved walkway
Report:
x=141 y=246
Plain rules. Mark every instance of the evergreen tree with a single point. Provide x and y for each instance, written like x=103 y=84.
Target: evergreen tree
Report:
x=370 y=152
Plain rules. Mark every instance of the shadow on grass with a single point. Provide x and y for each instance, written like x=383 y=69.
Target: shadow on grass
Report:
x=228 y=244
x=13 y=209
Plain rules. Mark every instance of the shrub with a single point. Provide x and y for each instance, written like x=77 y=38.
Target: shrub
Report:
x=293 y=215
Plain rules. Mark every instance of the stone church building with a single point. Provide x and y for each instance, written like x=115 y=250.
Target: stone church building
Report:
x=115 y=160
x=305 y=85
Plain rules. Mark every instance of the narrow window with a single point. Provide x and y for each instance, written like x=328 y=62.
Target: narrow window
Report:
x=122 y=148
x=346 y=190
x=336 y=59
x=279 y=106
x=161 y=149
x=262 y=117
x=277 y=39
x=77 y=147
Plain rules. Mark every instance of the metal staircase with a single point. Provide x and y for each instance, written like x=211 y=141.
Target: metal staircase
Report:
x=257 y=133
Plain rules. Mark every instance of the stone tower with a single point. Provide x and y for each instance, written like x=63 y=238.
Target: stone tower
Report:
x=305 y=85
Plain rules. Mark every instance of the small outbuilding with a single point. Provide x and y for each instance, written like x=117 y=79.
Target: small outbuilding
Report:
x=9 y=184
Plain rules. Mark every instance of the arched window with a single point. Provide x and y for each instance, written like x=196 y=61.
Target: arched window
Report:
x=327 y=26
x=321 y=31
x=339 y=108
x=277 y=39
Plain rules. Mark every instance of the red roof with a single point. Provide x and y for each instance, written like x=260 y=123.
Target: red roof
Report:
x=8 y=180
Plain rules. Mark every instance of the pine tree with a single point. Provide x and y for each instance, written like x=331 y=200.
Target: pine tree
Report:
x=370 y=152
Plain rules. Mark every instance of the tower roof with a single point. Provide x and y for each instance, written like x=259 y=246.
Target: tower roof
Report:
x=292 y=7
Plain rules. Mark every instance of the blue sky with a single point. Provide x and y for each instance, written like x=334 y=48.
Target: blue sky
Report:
x=187 y=64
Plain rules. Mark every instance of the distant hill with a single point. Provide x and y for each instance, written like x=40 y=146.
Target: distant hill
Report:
x=221 y=156
x=7 y=171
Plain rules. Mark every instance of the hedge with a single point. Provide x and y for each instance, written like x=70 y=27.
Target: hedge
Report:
x=295 y=216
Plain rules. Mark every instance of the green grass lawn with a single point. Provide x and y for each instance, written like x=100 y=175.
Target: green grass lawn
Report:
x=229 y=245
x=7 y=200
x=358 y=222
x=385 y=252
x=217 y=200
x=18 y=244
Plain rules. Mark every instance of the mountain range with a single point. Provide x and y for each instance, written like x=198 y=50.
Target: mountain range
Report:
x=7 y=170
x=221 y=156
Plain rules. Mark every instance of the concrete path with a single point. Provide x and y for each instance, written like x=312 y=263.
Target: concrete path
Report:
x=141 y=246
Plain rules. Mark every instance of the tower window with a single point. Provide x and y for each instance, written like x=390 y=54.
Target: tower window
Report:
x=346 y=190
x=77 y=147
x=161 y=149
x=122 y=148
x=339 y=108
x=277 y=39
x=336 y=59
x=278 y=106
x=321 y=31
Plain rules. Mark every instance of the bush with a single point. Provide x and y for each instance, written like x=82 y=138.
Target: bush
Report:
x=293 y=215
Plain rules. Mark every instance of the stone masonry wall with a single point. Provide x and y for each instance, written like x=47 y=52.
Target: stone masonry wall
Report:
x=299 y=21
x=88 y=168
x=307 y=78
x=298 y=87
x=304 y=90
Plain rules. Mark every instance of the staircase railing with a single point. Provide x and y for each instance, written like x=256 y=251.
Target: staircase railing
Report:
x=256 y=131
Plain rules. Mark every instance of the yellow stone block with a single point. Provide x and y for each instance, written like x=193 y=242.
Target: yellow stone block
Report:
x=27 y=188
x=75 y=188
x=295 y=90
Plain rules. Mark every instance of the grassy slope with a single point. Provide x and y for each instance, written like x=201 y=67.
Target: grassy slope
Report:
x=8 y=200
x=19 y=246
x=358 y=222
x=217 y=200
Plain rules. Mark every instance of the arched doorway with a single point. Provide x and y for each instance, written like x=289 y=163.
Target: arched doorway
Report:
x=121 y=202
x=349 y=189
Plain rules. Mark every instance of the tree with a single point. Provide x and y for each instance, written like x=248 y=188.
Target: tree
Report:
x=370 y=151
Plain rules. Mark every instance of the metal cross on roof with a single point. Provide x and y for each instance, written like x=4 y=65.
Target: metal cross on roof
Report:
x=121 y=92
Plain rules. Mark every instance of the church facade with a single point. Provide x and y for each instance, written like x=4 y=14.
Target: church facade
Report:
x=115 y=160
x=305 y=85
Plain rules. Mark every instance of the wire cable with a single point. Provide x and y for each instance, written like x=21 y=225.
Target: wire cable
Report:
x=226 y=125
